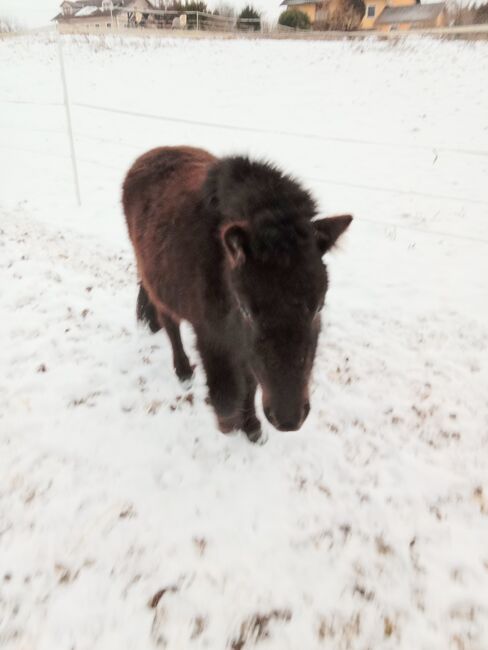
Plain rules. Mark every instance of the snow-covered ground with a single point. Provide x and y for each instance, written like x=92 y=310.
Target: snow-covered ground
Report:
x=127 y=521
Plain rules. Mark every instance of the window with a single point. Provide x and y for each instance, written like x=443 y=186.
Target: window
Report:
x=97 y=26
x=109 y=24
x=371 y=11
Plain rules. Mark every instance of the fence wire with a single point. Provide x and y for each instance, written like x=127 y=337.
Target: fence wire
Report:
x=435 y=149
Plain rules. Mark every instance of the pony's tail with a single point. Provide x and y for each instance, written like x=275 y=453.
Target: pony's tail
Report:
x=146 y=312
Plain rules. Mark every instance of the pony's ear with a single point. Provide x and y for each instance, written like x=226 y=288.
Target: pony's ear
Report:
x=235 y=237
x=328 y=230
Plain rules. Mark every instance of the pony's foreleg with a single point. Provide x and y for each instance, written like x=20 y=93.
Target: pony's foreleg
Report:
x=250 y=423
x=226 y=386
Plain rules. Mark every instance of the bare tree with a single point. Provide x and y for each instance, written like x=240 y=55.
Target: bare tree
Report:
x=8 y=25
x=481 y=15
x=224 y=9
x=459 y=14
x=340 y=15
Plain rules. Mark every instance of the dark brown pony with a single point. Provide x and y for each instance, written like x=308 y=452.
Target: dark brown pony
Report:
x=229 y=245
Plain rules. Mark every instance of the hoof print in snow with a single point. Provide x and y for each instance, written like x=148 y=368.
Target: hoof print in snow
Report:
x=363 y=593
x=382 y=547
x=181 y=400
x=482 y=500
x=87 y=400
x=388 y=627
x=127 y=513
x=153 y=407
x=256 y=628
x=65 y=576
x=42 y=368
x=200 y=544
x=154 y=601
x=199 y=625
x=343 y=630
x=333 y=428
x=324 y=489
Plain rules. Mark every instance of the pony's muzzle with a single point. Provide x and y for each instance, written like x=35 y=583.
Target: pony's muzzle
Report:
x=288 y=420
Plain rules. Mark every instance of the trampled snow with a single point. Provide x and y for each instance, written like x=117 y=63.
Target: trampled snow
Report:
x=127 y=520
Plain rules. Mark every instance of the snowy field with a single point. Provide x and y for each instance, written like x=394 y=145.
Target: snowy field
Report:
x=127 y=521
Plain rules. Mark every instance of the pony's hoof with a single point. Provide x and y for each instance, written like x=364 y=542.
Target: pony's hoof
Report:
x=185 y=374
x=228 y=424
x=252 y=428
x=254 y=436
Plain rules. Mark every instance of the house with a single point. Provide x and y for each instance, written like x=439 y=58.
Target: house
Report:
x=387 y=15
x=101 y=15
x=384 y=15
x=308 y=7
x=374 y=8
x=412 y=17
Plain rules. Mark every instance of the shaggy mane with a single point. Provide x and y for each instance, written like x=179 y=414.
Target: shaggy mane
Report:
x=278 y=209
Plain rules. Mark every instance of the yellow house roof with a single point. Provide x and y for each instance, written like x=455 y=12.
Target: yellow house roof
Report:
x=291 y=3
x=410 y=14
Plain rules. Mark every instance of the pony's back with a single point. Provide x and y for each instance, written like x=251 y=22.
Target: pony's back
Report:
x=161 y=178
x=161 y=196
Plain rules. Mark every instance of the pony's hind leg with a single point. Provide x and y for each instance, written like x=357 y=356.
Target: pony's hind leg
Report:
x=146 y=311
x=181 y=363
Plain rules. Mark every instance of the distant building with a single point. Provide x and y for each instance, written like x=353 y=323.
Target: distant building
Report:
x=308 y=7
x=101 y=15
x=416 y=16
x=384 y=15
x=375 y=7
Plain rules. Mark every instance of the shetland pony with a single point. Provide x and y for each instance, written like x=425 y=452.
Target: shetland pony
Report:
x=231 y=246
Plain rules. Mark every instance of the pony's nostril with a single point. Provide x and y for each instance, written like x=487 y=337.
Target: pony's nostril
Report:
x=306 y=409
x=291 y=425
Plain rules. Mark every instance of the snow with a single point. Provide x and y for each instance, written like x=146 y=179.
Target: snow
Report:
x=126 y=519
x=87 y=11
